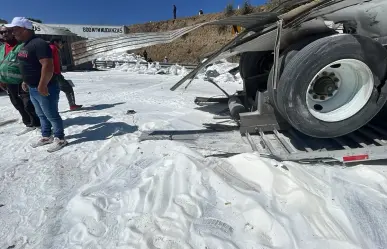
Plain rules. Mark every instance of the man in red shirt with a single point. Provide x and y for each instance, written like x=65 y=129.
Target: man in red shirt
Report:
x=19 y=98
x=2 y=85
x=56 y=44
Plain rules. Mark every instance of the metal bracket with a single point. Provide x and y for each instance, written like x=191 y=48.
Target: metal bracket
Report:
x=265 y=118
x=277 y=46
x=260 y=101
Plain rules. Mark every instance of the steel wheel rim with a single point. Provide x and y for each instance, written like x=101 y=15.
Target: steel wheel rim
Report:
x=340 y=90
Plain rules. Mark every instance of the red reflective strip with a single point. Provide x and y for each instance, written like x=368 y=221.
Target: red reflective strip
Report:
x=355 y=158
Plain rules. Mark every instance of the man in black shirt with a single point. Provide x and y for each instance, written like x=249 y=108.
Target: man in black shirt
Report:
x=37 y=69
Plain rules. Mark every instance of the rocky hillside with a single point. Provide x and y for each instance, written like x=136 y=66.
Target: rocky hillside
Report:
x=192 y=46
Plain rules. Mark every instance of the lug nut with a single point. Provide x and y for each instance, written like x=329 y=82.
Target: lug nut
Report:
x=336 y=79
x=315 y=96
x=310 y=91
x=322 y=97
x=330 y=95
x=324 y=73
x=332 y=74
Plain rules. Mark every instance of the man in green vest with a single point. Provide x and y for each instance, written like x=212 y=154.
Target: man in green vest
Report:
x=11 y=77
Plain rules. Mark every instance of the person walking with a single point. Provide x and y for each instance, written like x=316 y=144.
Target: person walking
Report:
x=37 y=69
x=145 y=54
x=56 y=44
x=174 y=11
x=11 y=80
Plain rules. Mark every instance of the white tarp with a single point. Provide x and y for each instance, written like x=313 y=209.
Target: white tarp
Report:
x=88 y=50
x=91 y=31
x=43 y=29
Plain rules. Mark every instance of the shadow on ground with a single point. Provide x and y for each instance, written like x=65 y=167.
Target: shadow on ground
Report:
x=86 y=120
x=217 y=108
x=96 y=107
x=102 y=131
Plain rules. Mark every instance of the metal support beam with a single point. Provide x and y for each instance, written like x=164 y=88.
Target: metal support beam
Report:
x=277 y=46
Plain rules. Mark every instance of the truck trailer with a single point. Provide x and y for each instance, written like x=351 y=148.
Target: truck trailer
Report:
x=314 y=74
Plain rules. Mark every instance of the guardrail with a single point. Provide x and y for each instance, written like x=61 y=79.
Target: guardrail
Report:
x=112 y=64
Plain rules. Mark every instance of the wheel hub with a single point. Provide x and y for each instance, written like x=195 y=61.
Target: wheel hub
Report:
x=324 y=86
x=353 y=83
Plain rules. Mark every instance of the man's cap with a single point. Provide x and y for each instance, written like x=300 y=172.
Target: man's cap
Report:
x=20 y=22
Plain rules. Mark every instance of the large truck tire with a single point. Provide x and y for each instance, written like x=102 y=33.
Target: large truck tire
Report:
x=332 y=86
x=254 y=68
x=283 y=60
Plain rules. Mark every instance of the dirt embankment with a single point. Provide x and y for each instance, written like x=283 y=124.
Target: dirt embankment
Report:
x=192 y=46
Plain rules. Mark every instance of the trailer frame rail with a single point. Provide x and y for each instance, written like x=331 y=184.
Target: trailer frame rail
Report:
x=366 y=144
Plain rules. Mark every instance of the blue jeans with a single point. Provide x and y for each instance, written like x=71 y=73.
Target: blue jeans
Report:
x=47 y=110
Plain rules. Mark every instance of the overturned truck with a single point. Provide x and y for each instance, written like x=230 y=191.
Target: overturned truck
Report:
x=302 y=76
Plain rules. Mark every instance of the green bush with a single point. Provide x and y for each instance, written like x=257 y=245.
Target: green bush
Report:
x=247 y=8
x=229 y=11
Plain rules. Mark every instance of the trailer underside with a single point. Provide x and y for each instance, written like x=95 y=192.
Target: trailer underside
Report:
x=269 y=133
x=257 y=113
x=264 y=131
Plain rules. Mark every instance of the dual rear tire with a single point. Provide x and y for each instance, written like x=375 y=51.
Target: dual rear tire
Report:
x=330 y=86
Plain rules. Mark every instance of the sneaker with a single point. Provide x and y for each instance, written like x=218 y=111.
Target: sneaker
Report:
x=57 y=145
x=42 y=141
x=75 y=107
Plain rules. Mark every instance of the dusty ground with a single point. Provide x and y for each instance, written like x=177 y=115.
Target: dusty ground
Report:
x=191 y=47
x=109 y=189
